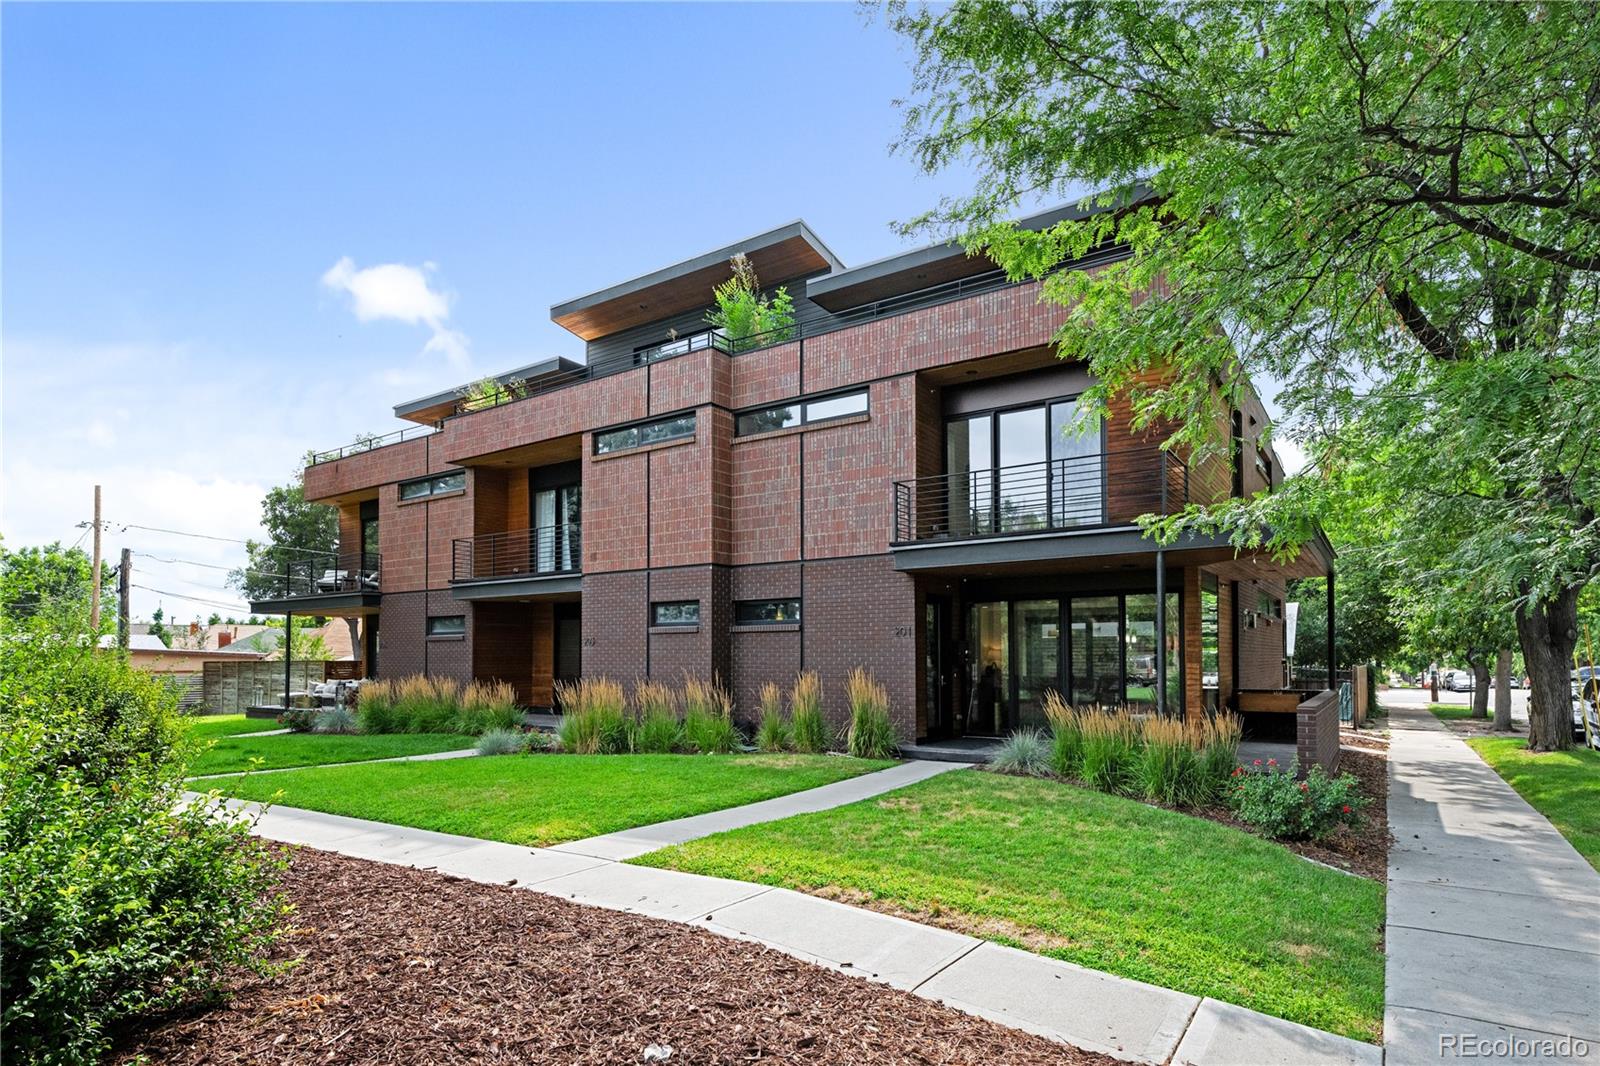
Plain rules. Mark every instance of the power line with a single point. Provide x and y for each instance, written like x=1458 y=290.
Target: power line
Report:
x=125 y=526
x=191 y=599
x=147 y=557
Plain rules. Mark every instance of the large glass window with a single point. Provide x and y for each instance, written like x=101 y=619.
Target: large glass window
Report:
x=969 y=461
x=1023 y=450
x=1038 y=658
x=1096 y=640
x=1210 y=635
x=1076 y=468
x=989 y=630
x=766 y=612
x=1025 y=469
x=557 y=514
x=782 y=416
x=1143 y=652
x=617 y=440
x=422 y=488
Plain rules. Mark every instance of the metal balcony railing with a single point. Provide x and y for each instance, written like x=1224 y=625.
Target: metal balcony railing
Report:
x=1081 y=492
x=316 y=574
x=369 y=442
x=520 y=553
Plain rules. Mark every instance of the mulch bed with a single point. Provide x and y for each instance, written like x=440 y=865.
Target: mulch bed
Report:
x=399 y=965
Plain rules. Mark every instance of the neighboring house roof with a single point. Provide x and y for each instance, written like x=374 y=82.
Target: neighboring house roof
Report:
x=145 y=644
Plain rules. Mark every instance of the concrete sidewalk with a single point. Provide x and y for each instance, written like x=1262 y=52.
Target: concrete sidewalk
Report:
x=1089 y=1009
x=1494 y=919
x=432 y=756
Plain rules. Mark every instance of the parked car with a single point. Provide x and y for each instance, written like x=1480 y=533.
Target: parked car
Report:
x=1456 y=680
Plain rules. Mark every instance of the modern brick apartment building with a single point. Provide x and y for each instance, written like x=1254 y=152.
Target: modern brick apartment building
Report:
x=895 y=482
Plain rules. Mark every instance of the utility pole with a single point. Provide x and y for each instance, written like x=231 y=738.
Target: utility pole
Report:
x=124 y=588
x=94 y=590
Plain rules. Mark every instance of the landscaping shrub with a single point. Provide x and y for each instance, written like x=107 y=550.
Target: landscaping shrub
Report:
x=375 y=708
x=773 y=733
x=486 y=705
x=1027 y=751
x=1219 y=756
x=808 y=732
x=502 y=742
x=116 y=897
x=298 y=719
x=871 y=732
x=1066 y=735
x=708 y=717
x=426 y=704
x=1271 y=799
x=540 y=741
x=1109 y=760
x=656 y=729
x=1168 y=765
x=594 y=719
x=335 y=720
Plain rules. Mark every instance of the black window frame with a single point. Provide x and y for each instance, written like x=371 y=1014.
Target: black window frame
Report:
x=432 y=629
x=656 y=608
x=628 y=438
x=435 y=484
x=801 y=406
x=742 y=611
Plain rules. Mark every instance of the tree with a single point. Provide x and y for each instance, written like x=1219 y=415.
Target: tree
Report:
x=296 y=530
x=1390 y=208
x=746 y=316
x=1366 y=627
x=52 y=582
x=158 y=628
x=1452 y=623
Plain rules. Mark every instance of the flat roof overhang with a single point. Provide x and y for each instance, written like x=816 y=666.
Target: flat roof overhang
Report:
x=533 y=587
x=328 y=604
x=1102 y=548
x=430 y=409
x=935 y=264
x=781 y=254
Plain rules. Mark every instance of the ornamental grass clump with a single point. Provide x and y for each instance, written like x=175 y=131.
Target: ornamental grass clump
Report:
x=375 y=707
x=1219 y=756
x=335 y=720
x=1168 y=766
x=594 y=719
x=1025 y=752
x=1066 y=735
x=425 y=704
x=656 y=729
x=487 y=705
x=1269 y=797
x=708 y=717
x=871 y=732
x=502 y=742
x=808 y=732
x=1110 y=752
x=773 y=734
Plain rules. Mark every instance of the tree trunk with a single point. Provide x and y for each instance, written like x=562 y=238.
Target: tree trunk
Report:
x=357 y=645
x=1548 y=632
x=1502 y=690
x=1480 y=687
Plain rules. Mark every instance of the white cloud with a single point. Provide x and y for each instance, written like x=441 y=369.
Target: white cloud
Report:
x=399 y=292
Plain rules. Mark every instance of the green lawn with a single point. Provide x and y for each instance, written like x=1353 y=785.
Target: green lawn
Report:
x=1097 y=880
x=1453 y=712
x=207 y=726
x=230 y=754
x=1564 y=786
x=547 y=799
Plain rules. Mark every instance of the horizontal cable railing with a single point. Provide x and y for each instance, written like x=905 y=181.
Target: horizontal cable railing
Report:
x=519 y=553
x=324 y=575
x=1078 y=492
x=368 y=442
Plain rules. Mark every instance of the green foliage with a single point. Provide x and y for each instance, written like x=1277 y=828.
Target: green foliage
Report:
x=1027 y=752
x=119 y=898
x=1169 y=767
x=1269 y=798
x=52 y=583
x=158 y=627
x=773 y=734
x=870 y=734
x=594 y=717
x=1110 y=753
x=491 y=392
x=747 y=317
x=295 y=529
x=421 y=704
x=708 y=718
x=502 y=742
x=298 y=719
x=337 y=720
x=809 y=731
x=1384 y=207
x=658 y=732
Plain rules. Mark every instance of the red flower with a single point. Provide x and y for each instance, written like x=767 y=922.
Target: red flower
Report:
x=1258 y=762
x=1346 y=808
x=1237 y=770
x=1272 y=762
x=1304 y=787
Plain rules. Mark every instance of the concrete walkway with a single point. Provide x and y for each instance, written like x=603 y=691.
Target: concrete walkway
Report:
x=432 y=756
x=1494 y=919
x=1092 y=1010
x=630 y=843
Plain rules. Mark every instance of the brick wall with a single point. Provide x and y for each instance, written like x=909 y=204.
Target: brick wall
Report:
x=1261 y=648
x=759 y=654
x=365 y=470
x=564 y=412
x=861 y=612
x=407 y=650
x=615 y=519
x=503 y=645
x=1317 y=732
x=614 y=625
x=850 y=471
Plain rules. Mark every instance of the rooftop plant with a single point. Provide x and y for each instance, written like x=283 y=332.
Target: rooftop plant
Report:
x=746 y=316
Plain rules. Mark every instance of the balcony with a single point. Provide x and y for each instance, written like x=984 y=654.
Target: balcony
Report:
x=1078 y=506
x=521 y=564
x=341 y=584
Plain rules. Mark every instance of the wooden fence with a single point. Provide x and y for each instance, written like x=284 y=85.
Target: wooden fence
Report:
x=233 y=688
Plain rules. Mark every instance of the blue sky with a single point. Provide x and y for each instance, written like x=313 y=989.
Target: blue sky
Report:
x=195 y=199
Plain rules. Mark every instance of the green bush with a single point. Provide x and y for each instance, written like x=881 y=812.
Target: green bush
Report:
x=871 y=732
x=1168 y=766
x=502 y=742
x=773 y=733
x=298 y=719
x=808 y=731
x=1271 y=799
x=486 y=705
x=708 y=718
x=1109 y=761
x=335 y=720
x=1066 y=736
x=118 y=898
x=422 y=704
x=656 y=729
x=1027 y=751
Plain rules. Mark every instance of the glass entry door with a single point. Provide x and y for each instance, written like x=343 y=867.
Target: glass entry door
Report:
x=989 y=668
x=556 y=516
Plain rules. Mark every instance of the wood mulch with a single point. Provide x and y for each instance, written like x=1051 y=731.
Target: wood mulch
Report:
x=398 y=965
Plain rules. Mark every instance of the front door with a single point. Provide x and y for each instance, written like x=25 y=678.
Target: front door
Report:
x=568 y=642
x=937 y=667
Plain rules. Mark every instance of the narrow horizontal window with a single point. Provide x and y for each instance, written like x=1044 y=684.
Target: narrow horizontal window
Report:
x=766 y=612
x=447 y=625
x=617 y=440
x=437 y=485
x=796 y=413
x=677 y=613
